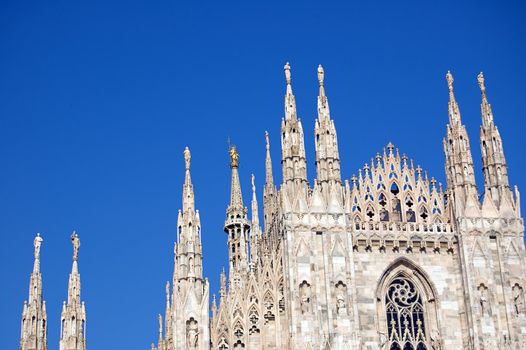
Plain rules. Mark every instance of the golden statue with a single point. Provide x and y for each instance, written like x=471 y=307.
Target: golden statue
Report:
x=234 y=157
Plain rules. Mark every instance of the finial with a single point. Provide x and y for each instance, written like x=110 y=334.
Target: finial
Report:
x=76 y=245
x=234 y=157
x=480 y=79
x=354 y=179
x=267 y=142
x=187 y=157
x=321 y=75
x=37 y=243
x=419 y=170
x=287 y=73
x=449 y=78
x=253 y=184
x=390 y=147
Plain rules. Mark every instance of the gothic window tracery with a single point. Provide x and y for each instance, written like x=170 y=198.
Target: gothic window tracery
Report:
x=405 y=316
x=424 y=214
x=268 y=303
x=281 y=301
x=254 y=321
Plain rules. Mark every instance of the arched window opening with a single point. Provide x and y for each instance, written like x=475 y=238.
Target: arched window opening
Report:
x=405 y=316
x=281 y=301
x=268 y=302
x=239 y=345
x=370 y=213
x=73 y=326
x=254 y=321
x=423 y=214
x=394 y=189
x=395 y=203
x=223 y=344
x=43 y=328
x=381 y=200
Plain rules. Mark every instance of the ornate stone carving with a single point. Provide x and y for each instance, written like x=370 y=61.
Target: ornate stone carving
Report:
x=518 y=299
x=305 y=297
x=192 y=334
x=341 y=297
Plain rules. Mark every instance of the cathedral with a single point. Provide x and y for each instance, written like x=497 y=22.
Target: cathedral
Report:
x=386 y=260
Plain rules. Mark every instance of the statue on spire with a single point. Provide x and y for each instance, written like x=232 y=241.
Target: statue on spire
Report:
x=449 y=78
x=267 y=142
x=187 y=158
x=253 y=185
x=287 y=73
x=234 y=157
x=480 y=79
x=38 y=242
x=76 y=245
x=321 y=75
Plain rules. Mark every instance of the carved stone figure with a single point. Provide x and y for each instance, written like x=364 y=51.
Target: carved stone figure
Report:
x=449 y=78
x=287 y=72
x=480 y=80
x=305 y=297
x=321 y=74
x=518 y=299
x=76 y=245
x=436 y=340
x=187 y=157
x=38 y=243
x=341 y=305
x=483 y=300
x=383 y=339
x=192 y=334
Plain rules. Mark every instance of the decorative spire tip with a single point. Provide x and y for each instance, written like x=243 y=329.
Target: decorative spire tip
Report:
x=287 y=73
x=480 y=80
x=321 y=75
x=449 y=78
x=76 y=245
x=234 y=157
x=37 y=243
x=187 y=157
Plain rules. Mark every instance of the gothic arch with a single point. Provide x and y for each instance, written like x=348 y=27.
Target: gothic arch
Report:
x=407 y=271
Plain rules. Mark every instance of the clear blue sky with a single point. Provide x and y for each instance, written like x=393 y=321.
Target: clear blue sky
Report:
x=99 y=98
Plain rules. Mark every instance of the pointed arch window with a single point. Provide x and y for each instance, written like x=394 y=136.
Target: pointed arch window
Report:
x=405 y=316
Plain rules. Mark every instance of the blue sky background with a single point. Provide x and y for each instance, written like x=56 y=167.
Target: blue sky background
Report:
x=99 y=98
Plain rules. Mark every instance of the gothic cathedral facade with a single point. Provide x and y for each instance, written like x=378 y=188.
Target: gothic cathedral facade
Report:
x=386 y=260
